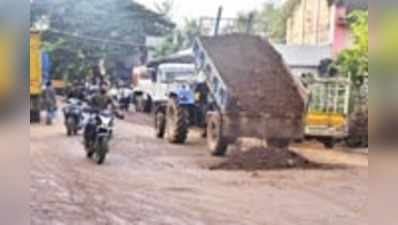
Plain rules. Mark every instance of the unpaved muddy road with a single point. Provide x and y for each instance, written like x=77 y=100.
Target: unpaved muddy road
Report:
x=148 y=182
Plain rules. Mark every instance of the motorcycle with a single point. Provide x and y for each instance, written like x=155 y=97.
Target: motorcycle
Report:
x=73 y=115
x=97 y=135
x=124 y=103
x=125 y=99
x=50 y=115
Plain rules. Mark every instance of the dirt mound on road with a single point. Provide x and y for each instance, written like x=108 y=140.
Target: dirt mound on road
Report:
x=265 y=159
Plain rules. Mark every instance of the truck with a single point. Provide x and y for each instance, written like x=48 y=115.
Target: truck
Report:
x=251 y=93
x=150 y=91
x=6 y=69
x=327 y=118
x=35 y=76
x=143 y=88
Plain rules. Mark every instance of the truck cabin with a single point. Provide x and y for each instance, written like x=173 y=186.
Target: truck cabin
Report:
x=175 y=73
x=141 y=73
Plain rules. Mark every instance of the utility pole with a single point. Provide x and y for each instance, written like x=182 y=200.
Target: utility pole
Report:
x=250 y=22
x=218 y=21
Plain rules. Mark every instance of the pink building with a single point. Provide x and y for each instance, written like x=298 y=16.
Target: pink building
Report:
x=323 y=23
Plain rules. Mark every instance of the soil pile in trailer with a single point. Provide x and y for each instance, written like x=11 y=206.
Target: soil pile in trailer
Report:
x=255 y=74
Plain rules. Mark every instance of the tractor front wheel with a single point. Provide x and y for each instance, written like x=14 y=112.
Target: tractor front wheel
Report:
x=177 y=123
x=160 y=124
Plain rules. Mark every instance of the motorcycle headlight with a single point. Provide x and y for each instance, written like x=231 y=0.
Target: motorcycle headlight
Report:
x=197 y=96
x=184 y=98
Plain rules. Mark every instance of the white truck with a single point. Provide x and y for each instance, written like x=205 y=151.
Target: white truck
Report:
x=152 y=86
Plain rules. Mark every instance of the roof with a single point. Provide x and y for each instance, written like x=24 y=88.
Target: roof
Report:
x=356 y=5
x=353 y=4
x=185 y=57
x=304 y=55
x=177 y=66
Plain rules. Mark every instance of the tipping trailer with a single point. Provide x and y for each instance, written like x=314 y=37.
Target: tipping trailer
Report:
x=253 y=92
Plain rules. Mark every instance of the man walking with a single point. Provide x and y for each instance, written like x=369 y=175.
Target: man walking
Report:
x=50 y=102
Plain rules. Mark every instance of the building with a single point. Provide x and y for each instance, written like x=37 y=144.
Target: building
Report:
x=322 y=22
x=304 y=59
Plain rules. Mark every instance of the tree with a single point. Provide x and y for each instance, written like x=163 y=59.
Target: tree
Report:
x=82 y=33
x=181 y=38
x=353 y=62
x=165 y=8
x=268 y=21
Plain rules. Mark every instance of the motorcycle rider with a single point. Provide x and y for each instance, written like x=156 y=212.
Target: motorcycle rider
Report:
x=100 y=102
x=76 y=91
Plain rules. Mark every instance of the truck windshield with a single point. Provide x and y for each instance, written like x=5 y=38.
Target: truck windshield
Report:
x=177 y=76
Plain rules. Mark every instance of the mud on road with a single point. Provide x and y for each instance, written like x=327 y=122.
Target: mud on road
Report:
x=148 y=182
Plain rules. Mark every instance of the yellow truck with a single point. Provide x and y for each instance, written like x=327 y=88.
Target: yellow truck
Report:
x=7 y=69
x=35 y=76
x=328 y=111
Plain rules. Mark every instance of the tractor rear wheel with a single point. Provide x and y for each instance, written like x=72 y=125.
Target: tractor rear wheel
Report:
x=216 y=141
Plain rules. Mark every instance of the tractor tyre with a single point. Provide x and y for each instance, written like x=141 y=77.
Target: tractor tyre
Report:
x=177 y=123
x=160 y=124
x=216 y=141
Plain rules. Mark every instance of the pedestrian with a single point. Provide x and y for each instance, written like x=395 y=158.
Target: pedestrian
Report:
x=50 y=102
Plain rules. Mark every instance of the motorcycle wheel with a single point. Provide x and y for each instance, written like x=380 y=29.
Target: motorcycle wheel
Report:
x=89 y=149
x=102 y=148
x=49 y=121
x=70 y=124
x=90 y=154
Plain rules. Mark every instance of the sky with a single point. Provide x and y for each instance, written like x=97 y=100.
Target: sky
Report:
x=199 y=8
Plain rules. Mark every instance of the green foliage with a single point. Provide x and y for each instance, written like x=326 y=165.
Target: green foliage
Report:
x=277 y=23
x=165 y=8
x=288 y=8
x=180 y=39
x=269 y=21
x=354 y=62
x=81 y=33
x=170 y=45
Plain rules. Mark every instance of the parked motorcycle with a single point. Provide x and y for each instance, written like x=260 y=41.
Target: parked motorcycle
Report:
x=97 y=135
x=73 y=114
